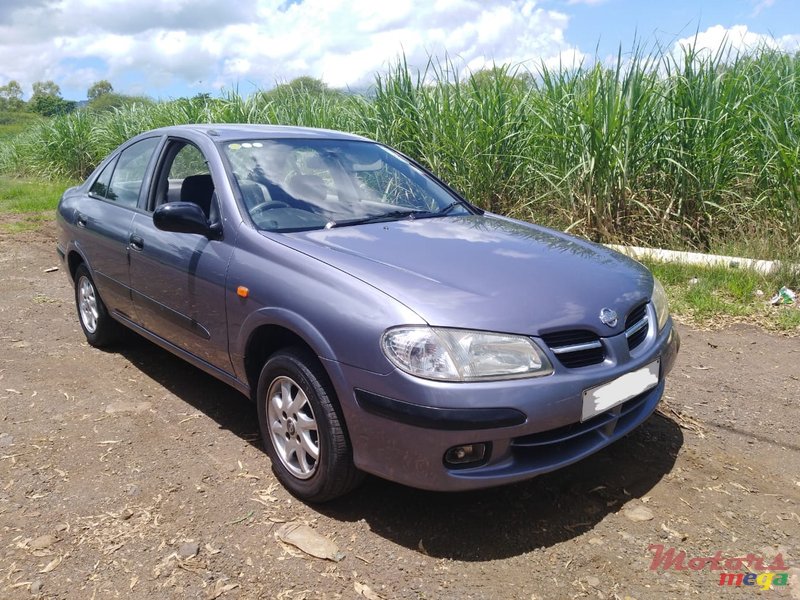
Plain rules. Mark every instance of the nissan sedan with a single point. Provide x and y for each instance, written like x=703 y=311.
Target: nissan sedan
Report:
x=381 y=323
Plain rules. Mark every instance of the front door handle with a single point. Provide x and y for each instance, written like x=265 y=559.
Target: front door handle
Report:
x=137 y=243
x=80 y=220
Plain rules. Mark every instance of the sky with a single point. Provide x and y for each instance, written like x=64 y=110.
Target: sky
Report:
x=185 y=47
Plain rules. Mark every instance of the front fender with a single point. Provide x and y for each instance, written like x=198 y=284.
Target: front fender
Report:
x=281 y=317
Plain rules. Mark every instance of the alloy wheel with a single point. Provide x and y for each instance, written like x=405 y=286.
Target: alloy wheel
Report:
x=293 y=427
x=87 y=304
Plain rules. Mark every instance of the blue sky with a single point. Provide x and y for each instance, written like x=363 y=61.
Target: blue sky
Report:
x=184 y=47
x=614 y=22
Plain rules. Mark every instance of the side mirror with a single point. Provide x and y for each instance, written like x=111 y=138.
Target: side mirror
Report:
x=181 y=217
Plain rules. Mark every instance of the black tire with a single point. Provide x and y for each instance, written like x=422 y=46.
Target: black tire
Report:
x=332 y=473
x=98 y=327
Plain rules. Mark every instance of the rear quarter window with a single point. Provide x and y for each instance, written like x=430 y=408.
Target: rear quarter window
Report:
x=126 y=181
x=100 y=188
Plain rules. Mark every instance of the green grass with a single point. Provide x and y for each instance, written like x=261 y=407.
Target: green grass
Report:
x=19 y=196
x=708 y=296
x=28 y=222
x=26 y=204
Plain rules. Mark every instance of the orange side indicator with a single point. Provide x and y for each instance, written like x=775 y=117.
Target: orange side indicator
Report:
x=242 y=291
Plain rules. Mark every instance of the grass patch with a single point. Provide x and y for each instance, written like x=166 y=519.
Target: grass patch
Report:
x=22 y=196
x=712 y=296
x=30 y=222
x=26 y=204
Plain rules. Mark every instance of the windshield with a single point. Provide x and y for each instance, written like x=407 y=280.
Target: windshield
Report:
x=300 y=184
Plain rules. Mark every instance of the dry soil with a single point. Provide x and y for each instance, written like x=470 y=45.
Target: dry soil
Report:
x=130 y=474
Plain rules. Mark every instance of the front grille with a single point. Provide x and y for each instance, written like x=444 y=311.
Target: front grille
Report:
x=575 y=348
x=636 y=326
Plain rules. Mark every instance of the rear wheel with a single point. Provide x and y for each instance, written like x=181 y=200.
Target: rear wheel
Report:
x=302 y=431
x=98 y=326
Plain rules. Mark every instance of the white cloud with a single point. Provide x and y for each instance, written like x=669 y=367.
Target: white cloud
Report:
x=344 y=42
x=736 y=40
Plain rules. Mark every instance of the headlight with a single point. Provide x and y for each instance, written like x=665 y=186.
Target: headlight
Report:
x=660 y=303
x=463 y=355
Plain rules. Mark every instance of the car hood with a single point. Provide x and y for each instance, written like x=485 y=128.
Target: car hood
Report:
x=485 y=272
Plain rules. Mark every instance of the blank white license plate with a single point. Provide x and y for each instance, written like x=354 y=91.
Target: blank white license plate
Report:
x=601 y=398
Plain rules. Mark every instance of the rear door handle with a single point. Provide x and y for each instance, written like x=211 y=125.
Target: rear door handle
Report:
x=80 y=220
x=137 y=243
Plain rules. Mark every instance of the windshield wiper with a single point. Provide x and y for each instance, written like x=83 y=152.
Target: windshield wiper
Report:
x=447 y=208
x=392 y=214
x=426 y=214
x=396 y=214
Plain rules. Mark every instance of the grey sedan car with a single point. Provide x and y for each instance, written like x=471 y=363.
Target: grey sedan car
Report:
x=381 y=323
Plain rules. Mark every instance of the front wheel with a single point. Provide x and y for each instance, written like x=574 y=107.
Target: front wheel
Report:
x=303 y=433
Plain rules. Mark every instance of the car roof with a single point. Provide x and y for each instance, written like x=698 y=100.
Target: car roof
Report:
x=240 y=131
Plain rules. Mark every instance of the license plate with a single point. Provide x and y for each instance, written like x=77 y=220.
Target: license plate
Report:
x=602 y=397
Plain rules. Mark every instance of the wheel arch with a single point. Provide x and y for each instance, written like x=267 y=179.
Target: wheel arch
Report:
x=75 y=258
x=266 y=338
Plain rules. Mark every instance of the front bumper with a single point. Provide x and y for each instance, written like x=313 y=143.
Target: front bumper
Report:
x=401 y=426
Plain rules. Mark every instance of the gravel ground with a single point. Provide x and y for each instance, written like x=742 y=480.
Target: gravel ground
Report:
x=130 y=474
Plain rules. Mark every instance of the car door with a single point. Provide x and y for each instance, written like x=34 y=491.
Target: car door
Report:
x=106 y=217
x=178 y=279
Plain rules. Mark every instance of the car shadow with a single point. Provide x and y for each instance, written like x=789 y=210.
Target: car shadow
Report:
x=230 y=409
x=511 y=520
x=469 y=526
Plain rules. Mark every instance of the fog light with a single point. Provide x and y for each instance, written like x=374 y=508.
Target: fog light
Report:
x=466 y=455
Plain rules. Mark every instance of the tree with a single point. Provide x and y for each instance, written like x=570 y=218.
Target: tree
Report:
x=47 y=100
x=112 y=100
x=11 y=96
x=99 y=88
x=501 y=78
x=202 y=98
x=46 y=88
x=51 y=105
x=306 y=84
x=300 y=86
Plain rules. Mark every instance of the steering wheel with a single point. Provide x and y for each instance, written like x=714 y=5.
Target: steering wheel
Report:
x=265 y=206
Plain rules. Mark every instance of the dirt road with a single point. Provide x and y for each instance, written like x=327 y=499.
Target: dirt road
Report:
x=129 y=474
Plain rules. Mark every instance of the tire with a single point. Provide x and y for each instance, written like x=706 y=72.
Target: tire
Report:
x=303 y=433
x=98 y=326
